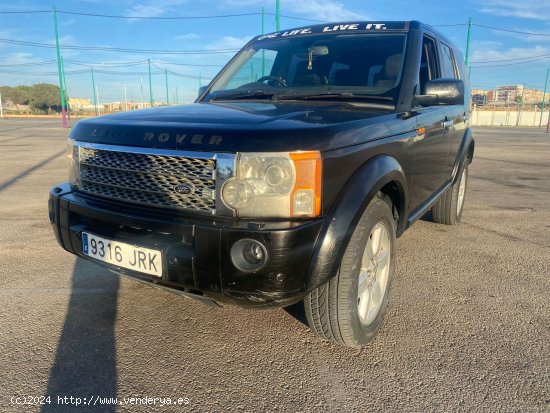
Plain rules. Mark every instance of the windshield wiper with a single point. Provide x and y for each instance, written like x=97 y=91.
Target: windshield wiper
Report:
x=278 y=95
x=244 y=95
x=329 y=96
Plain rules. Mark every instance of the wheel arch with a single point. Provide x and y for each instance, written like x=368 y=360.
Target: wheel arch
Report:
x=381 y=174
x=465 y=152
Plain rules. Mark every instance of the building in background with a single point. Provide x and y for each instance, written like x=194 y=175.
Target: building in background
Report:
x=479 y=96
x=119 y=106
x=515 y=93
x=86 y=105
x=79 y=103
x=508 y=94
x=532 y=95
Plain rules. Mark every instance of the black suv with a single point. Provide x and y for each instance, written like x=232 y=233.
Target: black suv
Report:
x=288 y=179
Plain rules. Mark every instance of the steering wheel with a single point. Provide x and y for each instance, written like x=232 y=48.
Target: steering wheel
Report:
x=279 y=80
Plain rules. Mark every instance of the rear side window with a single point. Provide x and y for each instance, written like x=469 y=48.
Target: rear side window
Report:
x=428 y=63
x=448 y=67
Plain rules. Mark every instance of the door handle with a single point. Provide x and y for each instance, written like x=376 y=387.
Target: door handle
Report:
x=447 y=124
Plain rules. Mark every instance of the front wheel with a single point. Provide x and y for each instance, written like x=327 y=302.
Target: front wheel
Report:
x=448 y=209
x=349 y=308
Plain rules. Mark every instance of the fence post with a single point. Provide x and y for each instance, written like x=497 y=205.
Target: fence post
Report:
x=507 y=113
x=125 y=98
x=263 y=50
x=167 y=97
x=65 y=90
x=61 y=94
x=277 y=15
x=150 y=85
x=544 y=98
x=94 y=92
x=467 y=57
x=141 y=91
x=520 y=105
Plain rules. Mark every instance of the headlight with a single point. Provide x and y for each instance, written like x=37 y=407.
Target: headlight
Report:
x=275 y=185
x=73 y=163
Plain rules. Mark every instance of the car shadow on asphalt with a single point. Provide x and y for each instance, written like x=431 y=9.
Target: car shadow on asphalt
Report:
x=85 y=363
x=298 y=312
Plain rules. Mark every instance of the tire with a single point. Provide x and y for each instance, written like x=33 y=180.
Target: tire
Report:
x=448 y=209
x=333 y=309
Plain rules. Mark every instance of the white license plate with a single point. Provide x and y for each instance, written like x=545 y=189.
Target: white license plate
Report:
x=123 y=255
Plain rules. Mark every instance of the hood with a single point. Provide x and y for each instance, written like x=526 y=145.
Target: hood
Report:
x=241 y=126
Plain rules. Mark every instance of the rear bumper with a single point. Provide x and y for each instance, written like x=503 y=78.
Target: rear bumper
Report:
x=196 y=250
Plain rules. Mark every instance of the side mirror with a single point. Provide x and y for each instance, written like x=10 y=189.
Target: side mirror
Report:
x=442 y=92
x=202 y=89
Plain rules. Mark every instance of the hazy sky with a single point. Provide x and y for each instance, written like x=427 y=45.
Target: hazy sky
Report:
x=487 y=45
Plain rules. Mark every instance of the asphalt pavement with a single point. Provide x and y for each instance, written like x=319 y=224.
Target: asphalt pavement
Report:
x=468 y=328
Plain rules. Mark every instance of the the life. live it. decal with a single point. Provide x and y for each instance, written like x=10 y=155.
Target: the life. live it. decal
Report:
x=331 y=28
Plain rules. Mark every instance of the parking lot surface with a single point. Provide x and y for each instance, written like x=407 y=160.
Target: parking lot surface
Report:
x=468 y=327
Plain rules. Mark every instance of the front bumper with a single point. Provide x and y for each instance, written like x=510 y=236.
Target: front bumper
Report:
x=196 y=250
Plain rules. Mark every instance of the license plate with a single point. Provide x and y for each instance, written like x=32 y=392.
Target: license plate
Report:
x=123 y=255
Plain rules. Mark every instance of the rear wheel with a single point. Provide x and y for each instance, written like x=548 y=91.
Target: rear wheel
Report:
x=349 y=309
x=448 y=209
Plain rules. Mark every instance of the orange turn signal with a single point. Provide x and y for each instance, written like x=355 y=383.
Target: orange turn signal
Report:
x=305 y=199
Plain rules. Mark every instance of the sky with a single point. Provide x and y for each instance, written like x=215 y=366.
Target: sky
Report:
x=218 y=38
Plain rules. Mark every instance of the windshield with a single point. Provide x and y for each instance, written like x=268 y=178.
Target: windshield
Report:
x=339 y=64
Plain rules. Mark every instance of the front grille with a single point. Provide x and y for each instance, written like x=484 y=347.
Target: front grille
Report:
x=149 y=178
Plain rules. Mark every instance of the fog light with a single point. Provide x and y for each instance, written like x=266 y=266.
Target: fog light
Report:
x=253 y=253
x=248 y=255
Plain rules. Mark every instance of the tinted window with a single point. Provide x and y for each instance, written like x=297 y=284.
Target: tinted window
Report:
x=256 y=68
x=428 y=63
x=447 y=62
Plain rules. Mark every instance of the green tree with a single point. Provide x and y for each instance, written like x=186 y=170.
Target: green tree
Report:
x=24 y=93
x=42 y=97
x=45 y=97
x=15 y=95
